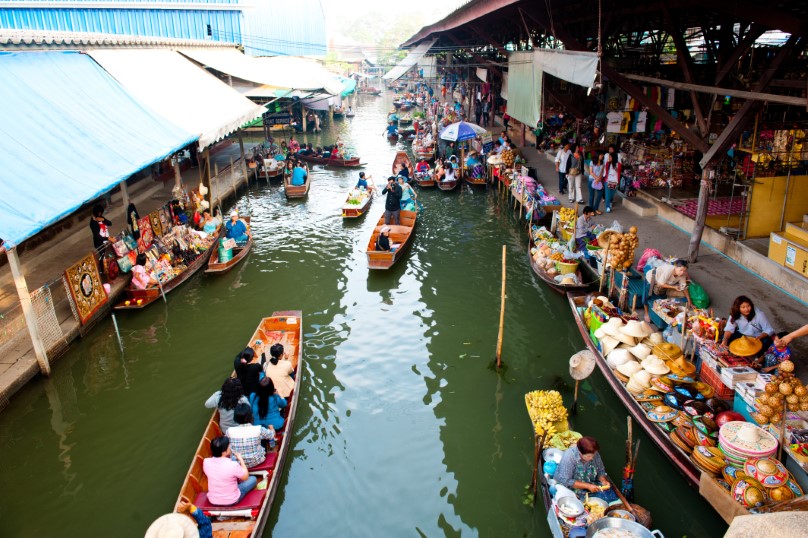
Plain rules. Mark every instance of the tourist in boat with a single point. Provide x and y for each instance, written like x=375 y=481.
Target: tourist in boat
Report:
x=363 y=182
x=408 y=195
x=404 y=172
x=745 y=320
x=228 y=481
x=141 y=277
x=237 y=229
x=267 y=404
x=392 y=204
x=383 y=241
x=422 y=167
x=99 y=226
x=299 y=175
x=209 y=223
x=583 y=228
x=248 y=439
x=281 y=371
x=581 y=470
x=453 y=162
x=666 y=280
x=248 y=366
x=391 y=130
x=449 y=173
x=225 y=400
x=294 y=145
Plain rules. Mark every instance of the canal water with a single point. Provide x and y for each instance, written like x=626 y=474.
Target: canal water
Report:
x=404 y=426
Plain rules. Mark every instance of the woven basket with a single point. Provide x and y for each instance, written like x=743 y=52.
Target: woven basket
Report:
x=566 y=268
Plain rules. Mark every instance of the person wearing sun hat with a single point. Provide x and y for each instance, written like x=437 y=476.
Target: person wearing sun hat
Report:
x=180 y=524
x=237 y=229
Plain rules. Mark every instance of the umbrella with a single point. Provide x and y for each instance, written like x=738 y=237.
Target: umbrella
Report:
x=460 y=131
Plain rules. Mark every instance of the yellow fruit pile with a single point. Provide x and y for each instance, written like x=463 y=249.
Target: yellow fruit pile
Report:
x=546 y=409
x=566 y=214
x=557 y=256
x=783 y=393
x=507 y=157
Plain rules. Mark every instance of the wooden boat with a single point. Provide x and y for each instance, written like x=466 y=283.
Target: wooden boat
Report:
x=339 y=113
x=402 y=234
x=392 y=137
x=402 y=159
x=296 y=191
x=135 y=299
x=239 y=253
x=353 y=211
x=405 y=120
x=448 y=185
x=353 y=162
x=679 y=459
x=271 y=173
x=424 y=179
x=474 y=181
x=370 y=91
x=549 y=280
x=423 y=152
x=248 y=518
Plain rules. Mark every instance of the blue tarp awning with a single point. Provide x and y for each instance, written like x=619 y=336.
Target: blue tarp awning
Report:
x=350 y=86
x=69 y=133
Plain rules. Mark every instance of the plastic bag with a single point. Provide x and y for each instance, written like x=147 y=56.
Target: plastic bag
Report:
x=698 y=296
x=615 y=227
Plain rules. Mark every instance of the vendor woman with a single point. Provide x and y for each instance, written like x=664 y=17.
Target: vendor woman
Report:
x=237 y=229
x=745 y=320
x=581 y=470
x=583 y=228
x=667 y=280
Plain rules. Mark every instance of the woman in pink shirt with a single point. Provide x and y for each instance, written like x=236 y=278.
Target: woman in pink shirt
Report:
x=228 y=481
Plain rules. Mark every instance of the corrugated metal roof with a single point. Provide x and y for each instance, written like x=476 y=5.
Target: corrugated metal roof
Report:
x=26 y=39
x=278 y=27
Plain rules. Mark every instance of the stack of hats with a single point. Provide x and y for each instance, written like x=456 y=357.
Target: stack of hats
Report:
x=745 y=346
x=662 y=413
x=672 y=354
x=708 y=458
x=740 y=441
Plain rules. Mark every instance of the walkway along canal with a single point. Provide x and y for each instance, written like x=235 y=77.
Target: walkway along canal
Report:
x=404 y=427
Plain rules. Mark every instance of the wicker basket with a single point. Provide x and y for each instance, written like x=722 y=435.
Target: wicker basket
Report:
x=566 y=268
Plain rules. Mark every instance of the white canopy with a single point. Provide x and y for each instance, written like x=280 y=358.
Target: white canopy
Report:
x=412 y=58
x=524 y=88
x=277 y=71
x=180 y=91
x=576 y=67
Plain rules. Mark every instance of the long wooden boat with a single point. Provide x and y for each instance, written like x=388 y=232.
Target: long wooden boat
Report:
x=448 y=185
x=547 y=279
x=402 y=159
x=329 y=161
x=405 y=120
x=424 y=179
x=135 y=299
x=296 y=191
x=392 y=137
x=679 y=459
x=422 y=152
x=248 y=518
x=271 y=173
x=351 y=211
x=474 y=181
x=403 y=234
x=216 y=267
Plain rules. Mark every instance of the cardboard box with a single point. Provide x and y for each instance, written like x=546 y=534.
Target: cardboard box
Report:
x=737 y=374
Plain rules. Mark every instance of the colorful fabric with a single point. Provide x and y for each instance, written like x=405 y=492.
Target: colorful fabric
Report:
x=86 y=288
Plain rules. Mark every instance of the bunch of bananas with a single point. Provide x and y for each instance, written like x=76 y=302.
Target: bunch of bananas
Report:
x=545 y=408
x=566 y=214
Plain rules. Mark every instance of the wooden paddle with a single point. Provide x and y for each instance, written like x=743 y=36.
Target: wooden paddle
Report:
x=622 y=498
x=574 y=407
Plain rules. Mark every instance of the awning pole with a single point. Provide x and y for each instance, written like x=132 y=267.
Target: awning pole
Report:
x=124 y=195
x=177 y=176
x=244 y=171
x=28 y=311
x=303 y=116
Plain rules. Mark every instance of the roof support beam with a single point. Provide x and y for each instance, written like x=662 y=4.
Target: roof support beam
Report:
x=490 y=40
x=492 y=65
x=564 y=100
x=739 y=51
x=739 y=120
x=769 y=97
x=686 y=63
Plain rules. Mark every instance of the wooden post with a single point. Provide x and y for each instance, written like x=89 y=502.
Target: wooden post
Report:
x=244 y=170
x=177 y=176
x=303 y=116
x=124 y=195
x=28 y=311
x=501 y=311
x=206 y=174
x=701 y=216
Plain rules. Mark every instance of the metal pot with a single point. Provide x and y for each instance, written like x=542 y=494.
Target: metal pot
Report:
x=623 y=524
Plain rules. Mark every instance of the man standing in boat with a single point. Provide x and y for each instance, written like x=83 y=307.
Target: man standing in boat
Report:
x=392 y=205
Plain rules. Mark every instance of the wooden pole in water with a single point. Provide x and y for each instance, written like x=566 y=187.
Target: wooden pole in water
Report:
x=501 y=312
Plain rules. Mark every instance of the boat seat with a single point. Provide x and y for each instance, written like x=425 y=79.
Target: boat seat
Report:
x=267 y=464
x=394 y=229
x=253 y=500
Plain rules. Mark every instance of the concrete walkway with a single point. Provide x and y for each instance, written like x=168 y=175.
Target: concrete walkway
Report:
x=722 y=278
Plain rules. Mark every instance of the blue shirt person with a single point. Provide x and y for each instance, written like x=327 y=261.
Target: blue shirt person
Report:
x=392 y=130
x=236 y=229
x=362 y=183
x=299 y=175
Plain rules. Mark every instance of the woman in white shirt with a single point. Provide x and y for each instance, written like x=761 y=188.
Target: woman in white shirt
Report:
x=745 y=320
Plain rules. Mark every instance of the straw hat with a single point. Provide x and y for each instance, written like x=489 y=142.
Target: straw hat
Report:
x=612 y=327
x=745 y=346
x=599 y=334
x=634 y=387
x=582 y=364
x=626 y=339
x=568 y=281
x=173 y=526
x=682 y=367
x=641 y=351
x=654 y=338
x=661 y=384
x=648 y=328
x=662 y=413
x=638 y=383
x=667 y=351
x=629 y=368
x=618 y=357
x=655 y=365
x=607 y=344
x=648 y=395
x=643 y=378
x=634 y=329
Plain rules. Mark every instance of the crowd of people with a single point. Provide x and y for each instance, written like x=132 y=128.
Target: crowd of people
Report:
x=251 y=408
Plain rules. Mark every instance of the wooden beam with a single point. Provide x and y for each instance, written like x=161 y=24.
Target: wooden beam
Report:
x=493 y=66
x=756 y=96
x=564 y=100
x=686 y=63
x=28 y=311
x=739 y=51
x=738 y=121
x=490 y=40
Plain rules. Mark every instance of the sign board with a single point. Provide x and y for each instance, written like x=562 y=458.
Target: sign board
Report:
x=791 y=255
x=488 y=142
x=280 y=118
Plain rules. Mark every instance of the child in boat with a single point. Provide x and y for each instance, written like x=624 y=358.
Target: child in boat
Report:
x=142 y=277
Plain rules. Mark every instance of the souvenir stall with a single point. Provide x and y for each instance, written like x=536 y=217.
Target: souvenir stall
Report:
x=531 y=195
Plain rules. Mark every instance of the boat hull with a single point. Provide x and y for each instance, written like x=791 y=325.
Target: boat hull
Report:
x=219 y=268
x=356 y=211
x=402 y=234
x=547 y=279
x=296 y=191
x=342 y=163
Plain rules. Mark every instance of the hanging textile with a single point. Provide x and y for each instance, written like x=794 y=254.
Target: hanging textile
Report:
x=524 y=88
x=482 y=73
x=579 y=68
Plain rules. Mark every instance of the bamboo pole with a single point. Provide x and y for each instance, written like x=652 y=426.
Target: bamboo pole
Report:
x=605 y=262
x=30 y=315
x=501 y=312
